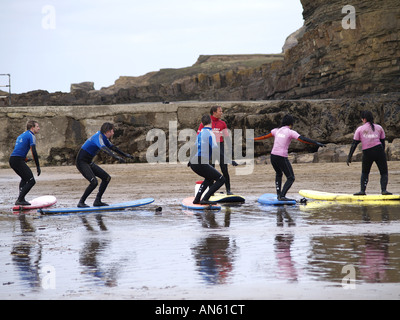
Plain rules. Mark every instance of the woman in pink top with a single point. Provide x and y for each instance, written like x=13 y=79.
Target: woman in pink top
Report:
x=372 y=137
x=279 y=154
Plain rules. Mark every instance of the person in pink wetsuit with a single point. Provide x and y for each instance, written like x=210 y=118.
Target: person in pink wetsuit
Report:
x=283 y=136
x=372 y=137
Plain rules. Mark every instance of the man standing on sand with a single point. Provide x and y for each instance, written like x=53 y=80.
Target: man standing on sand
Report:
x=220 y=131
x=18 y=160
x=86 y=166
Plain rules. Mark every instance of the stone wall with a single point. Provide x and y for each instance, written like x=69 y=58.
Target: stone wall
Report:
x=65 y=128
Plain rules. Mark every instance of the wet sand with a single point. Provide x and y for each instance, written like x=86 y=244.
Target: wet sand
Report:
x=168 y=184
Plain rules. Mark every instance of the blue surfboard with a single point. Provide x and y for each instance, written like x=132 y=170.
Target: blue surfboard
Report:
x=112 y=207
x=270 y=199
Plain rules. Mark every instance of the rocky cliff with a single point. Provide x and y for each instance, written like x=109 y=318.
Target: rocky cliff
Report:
x=351 y=68
x=324 y=59
x=332 y=61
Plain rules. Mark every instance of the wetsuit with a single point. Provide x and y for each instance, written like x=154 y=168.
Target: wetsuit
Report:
x=85 y=165
x=220 y=131
x=279 y=156
x=206 y=143
x=18 y=160
x=373 y=146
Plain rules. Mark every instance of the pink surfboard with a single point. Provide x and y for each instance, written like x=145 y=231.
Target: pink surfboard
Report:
x=37 y=203
x=188 y=203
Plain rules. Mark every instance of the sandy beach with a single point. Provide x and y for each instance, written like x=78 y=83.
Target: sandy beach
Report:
x=176 y=181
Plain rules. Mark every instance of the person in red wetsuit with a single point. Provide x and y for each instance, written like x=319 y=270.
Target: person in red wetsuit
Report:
x=221 y=133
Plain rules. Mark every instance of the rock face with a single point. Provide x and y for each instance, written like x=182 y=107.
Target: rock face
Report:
x=83 y=86
x=64 y=129
x=331 y=61
x=324 y=59
x=352 y=68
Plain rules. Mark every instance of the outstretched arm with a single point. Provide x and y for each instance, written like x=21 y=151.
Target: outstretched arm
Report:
x=309 y=141
x=112 y=154
x=352 y=149
x=266 y=136
x=126 y=155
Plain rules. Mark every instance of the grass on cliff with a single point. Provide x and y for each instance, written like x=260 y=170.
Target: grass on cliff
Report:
x=206 y=64
x=214 y=64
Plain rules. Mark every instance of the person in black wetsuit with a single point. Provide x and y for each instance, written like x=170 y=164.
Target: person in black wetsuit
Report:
x=84 y=162
x=220 y=130
x=18 y=160
x=372 y=136
x=200 y=163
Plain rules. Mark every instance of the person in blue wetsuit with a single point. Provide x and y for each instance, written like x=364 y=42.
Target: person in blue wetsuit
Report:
x=200 y=163
x=84 y=163
x=18 y=159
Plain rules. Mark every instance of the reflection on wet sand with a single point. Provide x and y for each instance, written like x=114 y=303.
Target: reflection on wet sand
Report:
x=283 y=243
x=27 y=253
x=368 y=253
x=177 y=248
x=287 y=266
x=91 y=256
x=374 y=262
x=214 y=254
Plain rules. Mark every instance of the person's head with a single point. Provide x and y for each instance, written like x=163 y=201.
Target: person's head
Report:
x=216 y=111
x=206 y=120
x=287 y=120
x=33 y=126
x=107 y=129
x=366 y=116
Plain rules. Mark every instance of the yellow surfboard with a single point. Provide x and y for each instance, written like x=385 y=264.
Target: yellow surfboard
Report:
x=328 y=196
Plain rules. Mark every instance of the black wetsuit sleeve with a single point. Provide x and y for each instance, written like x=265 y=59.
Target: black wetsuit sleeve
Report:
x=117 y=150
x=383 y=143
x=36 y=159
x=307 y=140
x=226 y=155
x=112 y=154
x=352 y=149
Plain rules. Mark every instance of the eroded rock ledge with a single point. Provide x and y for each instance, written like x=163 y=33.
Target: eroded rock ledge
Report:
x=65 y=128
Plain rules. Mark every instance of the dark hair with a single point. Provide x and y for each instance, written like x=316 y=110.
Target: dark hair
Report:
x=367 y=115
x=214 y=109
x=205 y=120
x=30 y=124
x=287 y=120
x=107 y=126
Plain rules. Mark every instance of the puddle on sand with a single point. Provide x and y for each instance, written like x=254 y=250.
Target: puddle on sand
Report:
x=86 y=254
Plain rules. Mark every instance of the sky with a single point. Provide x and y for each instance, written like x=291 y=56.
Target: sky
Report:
x=49 y=44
